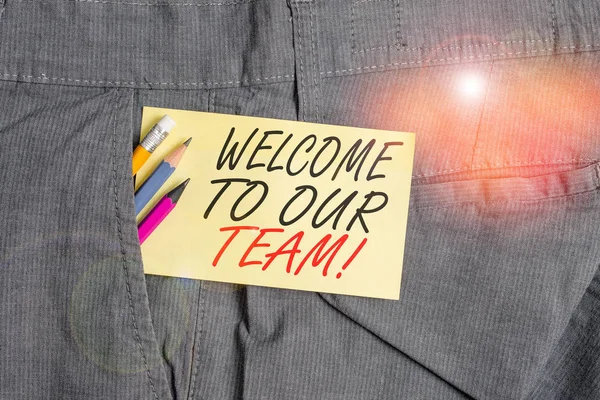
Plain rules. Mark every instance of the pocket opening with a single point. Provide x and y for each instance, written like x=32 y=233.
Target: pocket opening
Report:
x=520 y=189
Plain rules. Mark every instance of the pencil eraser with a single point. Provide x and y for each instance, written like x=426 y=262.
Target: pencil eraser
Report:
x=166 y=123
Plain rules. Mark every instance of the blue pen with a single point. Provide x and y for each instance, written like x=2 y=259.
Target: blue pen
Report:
x=159 y=176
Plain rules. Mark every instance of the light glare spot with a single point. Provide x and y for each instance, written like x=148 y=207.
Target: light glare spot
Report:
x=471 y=86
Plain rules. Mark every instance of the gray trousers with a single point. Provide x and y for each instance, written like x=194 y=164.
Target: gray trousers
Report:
x=500 y=293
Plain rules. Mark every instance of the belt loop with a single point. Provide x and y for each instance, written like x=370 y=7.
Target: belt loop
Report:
x=305 y=29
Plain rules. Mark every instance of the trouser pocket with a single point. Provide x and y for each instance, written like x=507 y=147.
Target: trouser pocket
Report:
x=73 y=299
x=493 y=269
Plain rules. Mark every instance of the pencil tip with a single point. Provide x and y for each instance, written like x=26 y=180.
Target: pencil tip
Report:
x=187 y=142
x=175 y=194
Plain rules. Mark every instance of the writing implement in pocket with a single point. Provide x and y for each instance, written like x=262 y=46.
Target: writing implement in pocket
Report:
x=160 y=211
x=159 y=176
x=151 y=141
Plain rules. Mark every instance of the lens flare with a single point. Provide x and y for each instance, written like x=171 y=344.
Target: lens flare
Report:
x=471 y=86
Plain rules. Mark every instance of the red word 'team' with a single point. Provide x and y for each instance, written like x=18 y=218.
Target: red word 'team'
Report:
x=290 y=248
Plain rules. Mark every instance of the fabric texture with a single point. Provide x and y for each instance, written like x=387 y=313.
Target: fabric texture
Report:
x=501 y=281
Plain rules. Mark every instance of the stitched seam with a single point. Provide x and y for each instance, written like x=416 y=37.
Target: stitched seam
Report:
x=500 y=43
x=197 y=337
x=353 y=46
x=353 y=42
x=314 y=59
x=397 y=7
x=43 y=77
x=504 y=201
x=291 y=76
x=481 y=167
x=147 y=4
x=303 y=87
x=124 y=256
x=454 y=59
x=553 y=20
x=525 y=198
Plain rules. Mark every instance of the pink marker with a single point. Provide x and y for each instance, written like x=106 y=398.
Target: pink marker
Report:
x=160 y=211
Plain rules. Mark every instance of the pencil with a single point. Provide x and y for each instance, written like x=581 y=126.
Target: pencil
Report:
x=151 y=141
x=159 y=176
x=160 y=211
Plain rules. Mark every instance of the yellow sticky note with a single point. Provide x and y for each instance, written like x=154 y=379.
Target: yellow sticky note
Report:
x=283 y=204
